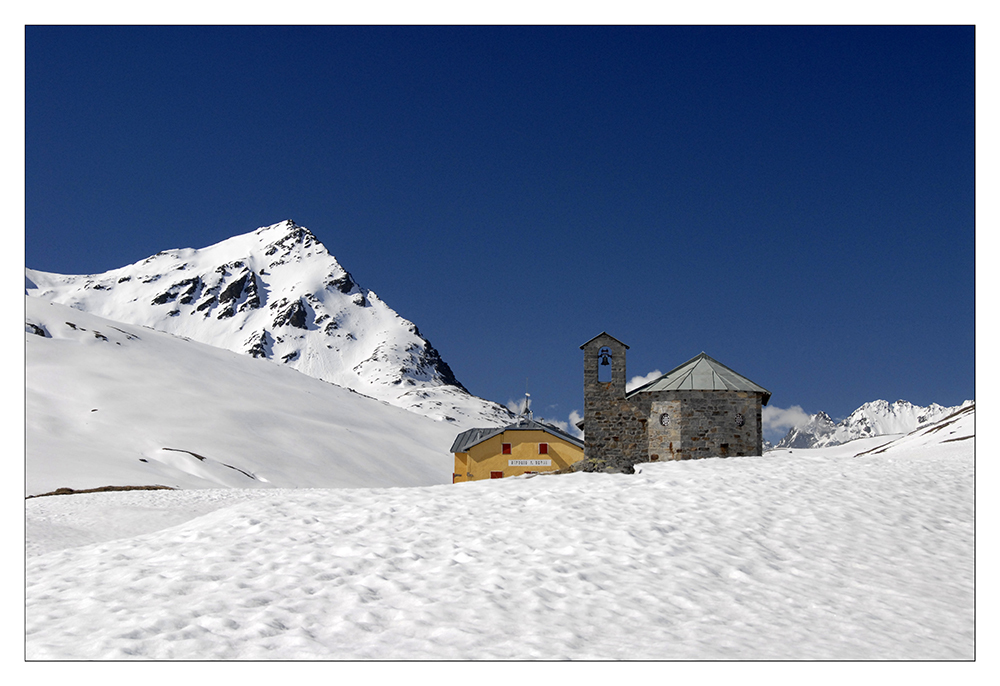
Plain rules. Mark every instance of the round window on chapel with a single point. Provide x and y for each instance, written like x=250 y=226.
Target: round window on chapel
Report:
x=740 y=421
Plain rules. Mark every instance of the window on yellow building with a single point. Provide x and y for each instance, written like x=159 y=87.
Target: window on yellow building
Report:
x=505 y=449
x=543 y=448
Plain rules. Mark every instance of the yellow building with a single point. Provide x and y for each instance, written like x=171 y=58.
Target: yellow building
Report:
x=526 y=447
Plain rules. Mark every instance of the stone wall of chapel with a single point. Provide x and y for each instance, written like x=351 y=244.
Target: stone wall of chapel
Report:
x=703 y=424
x=615 y=436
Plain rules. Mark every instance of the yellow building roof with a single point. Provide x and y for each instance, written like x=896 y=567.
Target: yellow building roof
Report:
x=465 y=440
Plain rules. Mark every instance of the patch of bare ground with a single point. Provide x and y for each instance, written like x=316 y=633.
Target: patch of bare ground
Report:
x=102 y=489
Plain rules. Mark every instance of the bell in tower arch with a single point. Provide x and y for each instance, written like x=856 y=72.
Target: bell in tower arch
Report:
x=604 y=366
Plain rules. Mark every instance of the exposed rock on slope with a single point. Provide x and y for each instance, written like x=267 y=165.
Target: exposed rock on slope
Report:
x=113 y=404
x=956 y=427
x=877 y=418
x=278 y=294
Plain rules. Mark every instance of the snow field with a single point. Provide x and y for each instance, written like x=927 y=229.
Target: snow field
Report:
x=112 y=404
x=786 y=556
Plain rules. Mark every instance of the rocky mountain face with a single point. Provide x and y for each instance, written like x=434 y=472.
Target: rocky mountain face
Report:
x=877 y=418
x=277 y=293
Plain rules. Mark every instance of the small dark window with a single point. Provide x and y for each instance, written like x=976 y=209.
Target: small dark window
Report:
x=496 y=475
x=505 y=449
x=543 y=448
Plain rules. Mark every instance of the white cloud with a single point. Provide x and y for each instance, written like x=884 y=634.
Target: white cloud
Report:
x=575 y=417
x=515 y=406
x=637 y=381
x=777 y=419
x=567 y=426
x=559 y=424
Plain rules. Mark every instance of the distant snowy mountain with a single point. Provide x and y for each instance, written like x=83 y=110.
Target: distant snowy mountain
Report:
x=956 y=427
x=277 y=293
x=114 y=404
x=877 y=418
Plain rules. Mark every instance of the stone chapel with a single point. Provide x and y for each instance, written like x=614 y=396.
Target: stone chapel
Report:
x=700 y=409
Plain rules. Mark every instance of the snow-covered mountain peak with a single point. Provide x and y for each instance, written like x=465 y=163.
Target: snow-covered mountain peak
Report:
x=875 y=418
x=277 y=293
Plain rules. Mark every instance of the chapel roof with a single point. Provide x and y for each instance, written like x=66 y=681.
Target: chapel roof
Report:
x=702 y=373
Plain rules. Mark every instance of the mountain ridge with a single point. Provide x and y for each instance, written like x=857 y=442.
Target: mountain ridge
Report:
x=874 y=418
x=277 y=293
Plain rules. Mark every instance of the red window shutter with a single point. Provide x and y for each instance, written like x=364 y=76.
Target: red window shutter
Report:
x=506 y=449
x=496 y=475
x=543 y=448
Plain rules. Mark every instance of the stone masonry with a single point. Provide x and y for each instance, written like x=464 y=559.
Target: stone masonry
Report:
x=615 y=435
x=620 y=431
x=703 y=424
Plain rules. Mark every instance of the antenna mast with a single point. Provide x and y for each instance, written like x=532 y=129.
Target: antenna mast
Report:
x=526 y=412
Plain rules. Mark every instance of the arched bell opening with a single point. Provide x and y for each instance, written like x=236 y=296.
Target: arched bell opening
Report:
x=605 y=364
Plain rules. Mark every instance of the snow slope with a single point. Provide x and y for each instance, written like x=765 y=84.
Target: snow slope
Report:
x=813 y=554
x=113 y=404
x=876 y=418
x=958 y=426
x=277 y=293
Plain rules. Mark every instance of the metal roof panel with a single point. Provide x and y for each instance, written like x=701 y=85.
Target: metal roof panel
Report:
x=702 y=373
x=472 y=437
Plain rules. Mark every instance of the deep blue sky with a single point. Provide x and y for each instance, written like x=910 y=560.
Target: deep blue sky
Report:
x=796 y=202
